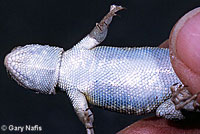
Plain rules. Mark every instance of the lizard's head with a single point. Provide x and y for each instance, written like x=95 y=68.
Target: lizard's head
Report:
x=35 y=67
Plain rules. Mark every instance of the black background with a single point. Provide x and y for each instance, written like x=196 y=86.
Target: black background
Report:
x=63 y=23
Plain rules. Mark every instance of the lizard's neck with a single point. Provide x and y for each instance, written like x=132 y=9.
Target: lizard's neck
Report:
x=73 y=62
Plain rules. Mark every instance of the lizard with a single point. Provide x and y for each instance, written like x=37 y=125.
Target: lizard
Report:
x=136 y=80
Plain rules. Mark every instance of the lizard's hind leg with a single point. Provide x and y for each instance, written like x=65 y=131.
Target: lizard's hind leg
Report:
x=181 y=102
x=183 y=99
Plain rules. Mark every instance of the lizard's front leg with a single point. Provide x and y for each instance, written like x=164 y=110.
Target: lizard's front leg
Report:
x=99 y=32
x=82 y=110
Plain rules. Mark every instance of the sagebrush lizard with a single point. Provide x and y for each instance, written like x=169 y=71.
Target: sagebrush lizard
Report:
x=127 y=80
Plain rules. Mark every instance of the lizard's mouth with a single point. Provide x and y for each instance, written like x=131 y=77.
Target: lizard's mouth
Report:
x=35 y=67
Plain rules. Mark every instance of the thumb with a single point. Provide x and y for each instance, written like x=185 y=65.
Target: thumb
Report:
x=184 y=44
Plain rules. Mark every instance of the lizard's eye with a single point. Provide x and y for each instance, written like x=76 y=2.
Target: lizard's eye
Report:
x=35 y=66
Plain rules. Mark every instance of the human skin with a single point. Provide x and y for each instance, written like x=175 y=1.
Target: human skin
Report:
x=184 y=45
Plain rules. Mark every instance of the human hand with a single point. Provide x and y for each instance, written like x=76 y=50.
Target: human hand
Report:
x=184 y=45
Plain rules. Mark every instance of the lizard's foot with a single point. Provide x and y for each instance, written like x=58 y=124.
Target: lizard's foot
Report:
x=100 y=30
x=88 y=120
x=183 y=99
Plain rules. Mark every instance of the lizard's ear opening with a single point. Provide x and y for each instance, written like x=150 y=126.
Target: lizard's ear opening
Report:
x=35 y=67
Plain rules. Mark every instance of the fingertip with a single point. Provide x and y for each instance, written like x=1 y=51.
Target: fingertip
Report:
x=188 y=42
x=185 y=49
